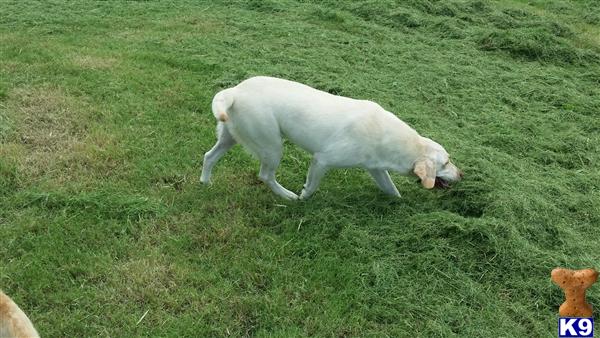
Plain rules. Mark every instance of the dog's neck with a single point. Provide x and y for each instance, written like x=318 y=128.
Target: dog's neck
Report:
x=403 y=159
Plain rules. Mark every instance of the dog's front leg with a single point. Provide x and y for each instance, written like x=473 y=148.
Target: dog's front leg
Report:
x=384 y=181
x=315 y=173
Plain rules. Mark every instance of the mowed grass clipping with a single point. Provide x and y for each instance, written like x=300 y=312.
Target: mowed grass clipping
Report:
x=104 y=117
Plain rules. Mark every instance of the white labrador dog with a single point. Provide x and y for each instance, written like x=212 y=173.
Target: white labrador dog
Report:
x=338 y=132
x=13 y=321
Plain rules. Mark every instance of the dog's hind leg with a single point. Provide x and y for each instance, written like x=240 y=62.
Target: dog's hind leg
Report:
x=315 y=173
x=268 y=165
x=224 y=142
x=259 y=133
x=384 y=182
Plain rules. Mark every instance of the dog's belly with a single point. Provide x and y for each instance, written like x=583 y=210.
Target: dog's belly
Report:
x=343 y=142
x=315 y=125
x=312 y=137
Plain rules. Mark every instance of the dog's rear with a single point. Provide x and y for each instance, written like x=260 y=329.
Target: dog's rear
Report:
x=221 y=104
x=13 y=321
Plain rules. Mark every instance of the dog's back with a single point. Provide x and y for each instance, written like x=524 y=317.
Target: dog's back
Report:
x=13 y=321
x=310 y=118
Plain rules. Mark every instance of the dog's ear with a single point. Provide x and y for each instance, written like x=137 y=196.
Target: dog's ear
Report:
x=425 y=170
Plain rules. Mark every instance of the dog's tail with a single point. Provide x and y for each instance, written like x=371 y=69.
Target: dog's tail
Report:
x=13 y=321
x=221 y=104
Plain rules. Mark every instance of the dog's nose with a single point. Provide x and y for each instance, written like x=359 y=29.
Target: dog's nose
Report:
x=460 y=174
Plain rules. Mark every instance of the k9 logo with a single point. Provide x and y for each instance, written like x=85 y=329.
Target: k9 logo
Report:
x=575 y=327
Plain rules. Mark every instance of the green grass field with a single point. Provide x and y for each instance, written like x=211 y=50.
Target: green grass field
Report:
x=105 y=116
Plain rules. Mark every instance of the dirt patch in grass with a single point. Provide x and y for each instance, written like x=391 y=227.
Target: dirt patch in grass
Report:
x=53 y=135
x=45 y=118
x=94 y=62
x=144 y=279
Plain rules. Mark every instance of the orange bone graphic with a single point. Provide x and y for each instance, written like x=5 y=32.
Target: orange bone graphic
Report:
x=574 y=283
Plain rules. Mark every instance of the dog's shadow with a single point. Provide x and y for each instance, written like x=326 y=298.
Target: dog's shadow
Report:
x=468 y=199
x=351 y=197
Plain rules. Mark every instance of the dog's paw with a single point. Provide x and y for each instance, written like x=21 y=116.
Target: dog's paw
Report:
x=304 y=195
x=395 y=194
x=290 y=196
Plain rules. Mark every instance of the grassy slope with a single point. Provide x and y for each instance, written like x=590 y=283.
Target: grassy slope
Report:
x=104 y=115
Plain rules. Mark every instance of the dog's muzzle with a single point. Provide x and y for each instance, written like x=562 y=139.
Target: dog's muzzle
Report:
x=441 y=183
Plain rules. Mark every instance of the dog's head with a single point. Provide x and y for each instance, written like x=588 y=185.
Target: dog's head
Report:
x=434 y=168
